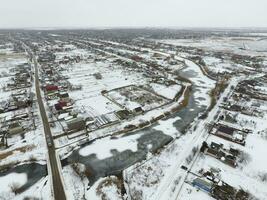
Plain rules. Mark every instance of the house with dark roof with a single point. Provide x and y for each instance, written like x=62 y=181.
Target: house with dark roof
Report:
x=225 y=131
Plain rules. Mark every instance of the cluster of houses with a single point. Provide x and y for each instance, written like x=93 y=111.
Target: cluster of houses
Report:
x=70 y=59
x=17 y=113
x=21 y=77
x=210 y=182
x=227 y=156
x=252 y=61
x=246 y=91
x=17 y=100
x=246 y=99
x=55 y=87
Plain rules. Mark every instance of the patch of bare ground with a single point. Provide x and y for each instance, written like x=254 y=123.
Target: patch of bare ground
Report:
x=20 y=149
x=106 y=185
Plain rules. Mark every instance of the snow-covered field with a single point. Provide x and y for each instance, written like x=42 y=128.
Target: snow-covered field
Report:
x=254 y=46
x=102 y=148
x=166 y=91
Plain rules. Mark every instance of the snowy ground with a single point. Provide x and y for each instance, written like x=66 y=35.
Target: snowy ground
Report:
x=253 y=45
x=159 y=175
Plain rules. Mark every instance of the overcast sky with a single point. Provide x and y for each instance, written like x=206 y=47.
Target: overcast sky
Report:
x=132 y=13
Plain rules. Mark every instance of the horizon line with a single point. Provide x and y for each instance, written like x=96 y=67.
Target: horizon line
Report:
x=263 y=28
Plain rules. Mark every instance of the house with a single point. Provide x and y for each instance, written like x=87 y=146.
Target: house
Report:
x=51 y=95
x=225 y=131
x=49 y=71
x=136 y=58
x=60 y=105
x=231 y=134
x=230 y=160
x=123 y=114
x=202 y=185
x=234 y=152
x=138 y=110
x=76 y=124
x=216 y=150
x=216 y=146
x=20 y=103
x=227 y=192
x=50 y=88
x=236 y=108
x=64 y=96
x=230 y=118
x=211 y=152
x=15 y=128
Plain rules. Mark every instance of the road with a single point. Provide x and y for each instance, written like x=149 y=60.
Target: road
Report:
x=58 y=190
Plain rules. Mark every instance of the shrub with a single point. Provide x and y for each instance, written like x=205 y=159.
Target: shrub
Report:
x=15 y=187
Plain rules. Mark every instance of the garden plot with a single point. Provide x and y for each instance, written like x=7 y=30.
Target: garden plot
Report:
x=6 y=48
x=168 y=92
x=72 y=51
x=96 y=105
x=191 y=193
x=29 y=145
x=144 y=179
x=90 y=99
x=76 y=186
x=8 y=62
x=217 y=65
x=133 y=97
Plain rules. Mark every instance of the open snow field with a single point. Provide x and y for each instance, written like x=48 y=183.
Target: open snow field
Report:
x=253 y=45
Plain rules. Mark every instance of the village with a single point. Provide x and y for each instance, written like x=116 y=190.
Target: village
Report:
x=90 y=116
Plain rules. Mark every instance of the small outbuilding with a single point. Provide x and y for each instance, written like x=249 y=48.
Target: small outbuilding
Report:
x=202 y=184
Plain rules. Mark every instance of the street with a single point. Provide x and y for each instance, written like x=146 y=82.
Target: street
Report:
x=58 y=190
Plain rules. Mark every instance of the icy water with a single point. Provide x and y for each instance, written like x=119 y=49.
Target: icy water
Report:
x=192 y=110
x=150 y=140
x=34 y=173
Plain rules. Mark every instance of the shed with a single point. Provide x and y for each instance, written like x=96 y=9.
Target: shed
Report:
x=202 y=184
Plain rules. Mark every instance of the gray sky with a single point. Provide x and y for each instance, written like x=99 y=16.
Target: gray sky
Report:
x=114 y=13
